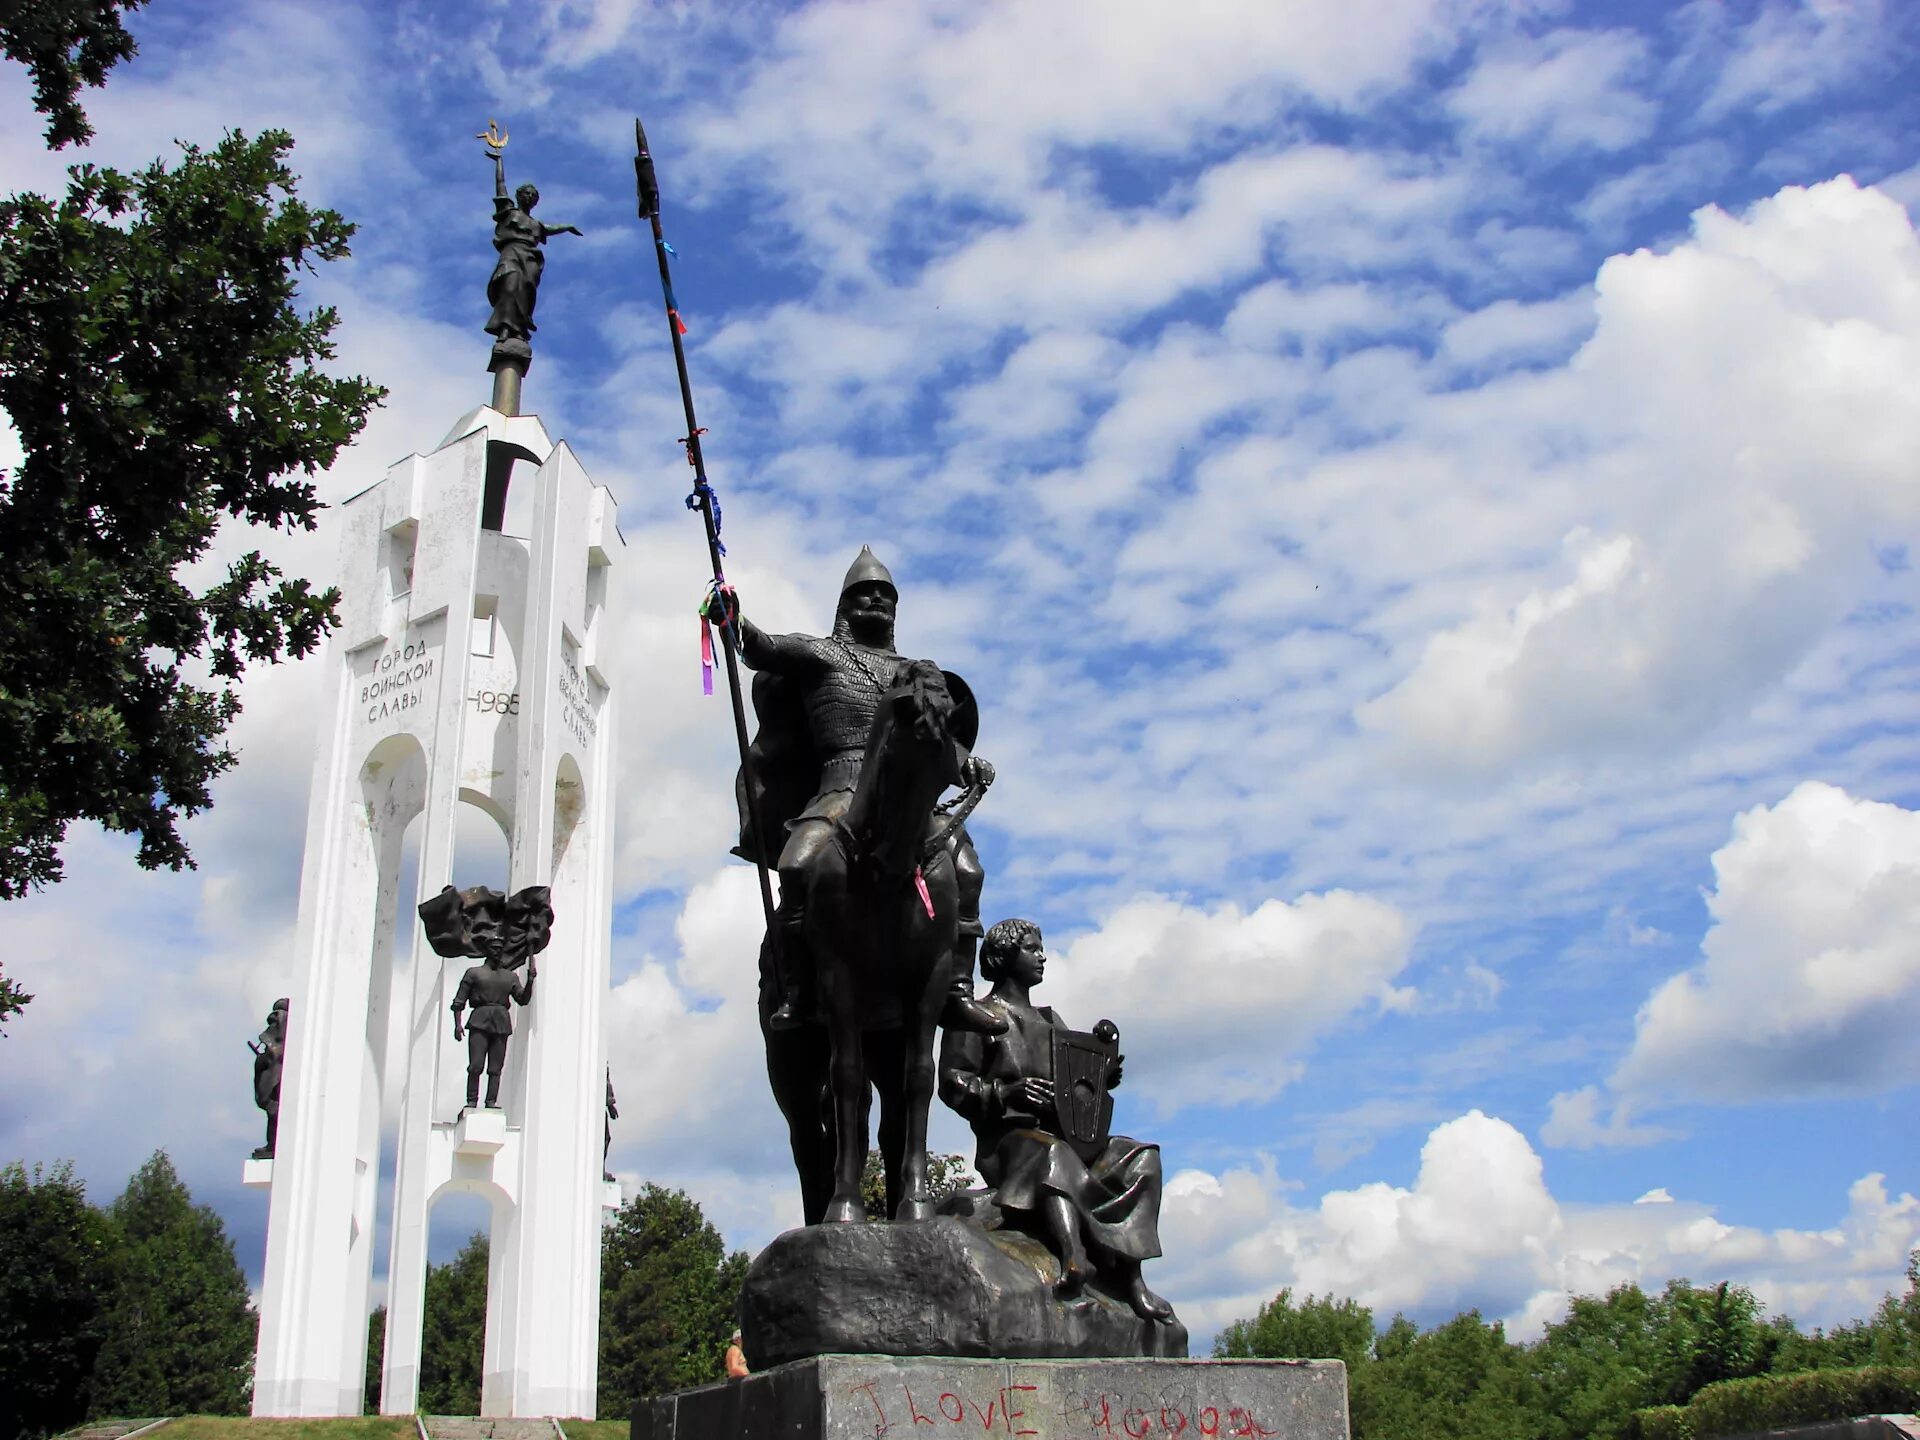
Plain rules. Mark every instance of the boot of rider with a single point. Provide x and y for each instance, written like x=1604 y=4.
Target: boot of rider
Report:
x=795 y=974
x=962 y=1011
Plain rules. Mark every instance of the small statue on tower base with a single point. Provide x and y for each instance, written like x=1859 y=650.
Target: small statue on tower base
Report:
x=505 y=932
x=269 y=1055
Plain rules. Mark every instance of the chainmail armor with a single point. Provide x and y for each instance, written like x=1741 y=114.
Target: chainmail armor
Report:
x=841 y=706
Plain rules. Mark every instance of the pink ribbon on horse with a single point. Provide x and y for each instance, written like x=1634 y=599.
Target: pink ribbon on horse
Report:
x=920 y=884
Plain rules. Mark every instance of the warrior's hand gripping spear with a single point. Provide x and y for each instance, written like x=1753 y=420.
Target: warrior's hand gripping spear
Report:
x=647 y=185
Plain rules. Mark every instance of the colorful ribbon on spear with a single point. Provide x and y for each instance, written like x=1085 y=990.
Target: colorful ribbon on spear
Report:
x=720 y=606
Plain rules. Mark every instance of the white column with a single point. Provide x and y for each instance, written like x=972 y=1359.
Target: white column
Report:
x=561 y=835
x=421 y=719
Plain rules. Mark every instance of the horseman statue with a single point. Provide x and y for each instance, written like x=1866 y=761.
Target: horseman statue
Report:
x=815 y=698
x=879 y=916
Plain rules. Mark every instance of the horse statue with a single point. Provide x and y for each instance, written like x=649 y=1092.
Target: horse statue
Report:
x=881 y=924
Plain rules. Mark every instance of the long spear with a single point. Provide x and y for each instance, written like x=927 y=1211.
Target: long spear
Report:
x=648 y=187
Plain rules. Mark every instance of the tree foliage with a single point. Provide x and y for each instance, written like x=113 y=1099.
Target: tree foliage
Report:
x=1599 y=1364
x=668 y=1295
x=178 y=1329
x=946 y=1175
x=1457 y=1381
x=160 y=378
x=1315 y=1329
x=65 y=44
x=55 y=1250
x=1626 y=1366
x=12 y=1001
x=454 y=1331
x=453 y=1334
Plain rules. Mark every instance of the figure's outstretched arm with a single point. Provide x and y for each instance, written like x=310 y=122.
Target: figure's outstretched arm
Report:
x=546 y=230
x=499 y=176
x=782 y=654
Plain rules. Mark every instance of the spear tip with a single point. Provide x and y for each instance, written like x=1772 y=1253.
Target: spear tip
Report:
x=646 y=183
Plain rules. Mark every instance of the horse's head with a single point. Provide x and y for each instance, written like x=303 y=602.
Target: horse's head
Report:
x=922 y=703
x=912 y=756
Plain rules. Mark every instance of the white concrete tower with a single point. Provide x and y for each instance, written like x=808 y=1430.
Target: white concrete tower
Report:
x=470 y=667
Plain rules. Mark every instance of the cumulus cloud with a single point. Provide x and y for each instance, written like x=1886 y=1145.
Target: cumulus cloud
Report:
x=1809 y=980
x=1220 y=1005
x=1753 y=413
x=1480 y=1227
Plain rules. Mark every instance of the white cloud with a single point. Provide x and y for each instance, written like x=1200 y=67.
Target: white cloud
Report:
x=1810 y=974
x=862 y=107
x=1512 y=330
x=1220 y=1005
x=1574 y=1123
x=1790 y=51
x=1479 y=1227
x=1750 y=413
x=1563 y=91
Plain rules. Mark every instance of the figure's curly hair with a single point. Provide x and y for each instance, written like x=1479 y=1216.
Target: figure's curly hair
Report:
x=1001 y=944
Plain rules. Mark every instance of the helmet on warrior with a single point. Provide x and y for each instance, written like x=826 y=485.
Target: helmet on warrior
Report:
x=868 y=600
x=866 y=568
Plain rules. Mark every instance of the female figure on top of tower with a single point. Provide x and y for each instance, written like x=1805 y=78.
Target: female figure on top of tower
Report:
x=515 y=283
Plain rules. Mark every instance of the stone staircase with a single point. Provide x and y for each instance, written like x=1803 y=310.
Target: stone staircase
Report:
x=111 y=1429
x=474 y=1427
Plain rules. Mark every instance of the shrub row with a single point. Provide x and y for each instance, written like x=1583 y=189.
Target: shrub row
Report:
x=1737 y=1407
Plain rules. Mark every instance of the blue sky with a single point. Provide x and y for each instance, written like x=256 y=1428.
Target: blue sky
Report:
x=1423 y=490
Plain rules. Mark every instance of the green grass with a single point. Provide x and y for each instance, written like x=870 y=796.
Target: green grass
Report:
x=243 y=1427
x=594 y=1429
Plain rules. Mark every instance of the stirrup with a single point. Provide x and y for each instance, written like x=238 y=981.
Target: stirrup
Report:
x=790 y=1013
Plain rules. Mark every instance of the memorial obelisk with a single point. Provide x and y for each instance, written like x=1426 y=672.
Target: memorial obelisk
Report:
x=470 y=667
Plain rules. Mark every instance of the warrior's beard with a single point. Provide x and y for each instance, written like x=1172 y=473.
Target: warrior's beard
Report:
x=873 y=631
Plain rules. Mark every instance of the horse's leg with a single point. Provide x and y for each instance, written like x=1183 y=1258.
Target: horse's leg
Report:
x=883 y=1066
x=921 y=1008
x=797 y=1075
x=848 y=1072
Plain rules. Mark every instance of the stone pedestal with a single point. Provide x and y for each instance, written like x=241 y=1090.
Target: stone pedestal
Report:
x=258 y=1174
x=932 y=1287
x=480 y=1132
x=861 y=1397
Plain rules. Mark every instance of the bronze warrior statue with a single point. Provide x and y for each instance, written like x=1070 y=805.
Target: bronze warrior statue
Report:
x=871 y=949
x=816 y=698
x=269 y=1056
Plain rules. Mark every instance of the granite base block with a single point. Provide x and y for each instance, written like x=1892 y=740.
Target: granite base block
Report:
x=867 y=1397
x=932 y=1287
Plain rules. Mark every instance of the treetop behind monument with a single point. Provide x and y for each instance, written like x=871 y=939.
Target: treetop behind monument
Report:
x=162 y=379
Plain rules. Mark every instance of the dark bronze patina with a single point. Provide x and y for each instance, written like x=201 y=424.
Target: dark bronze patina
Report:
x=514 y=286
x=505 y=932
x=1037 y=1096
x=872 y=944
x=269 y=1056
